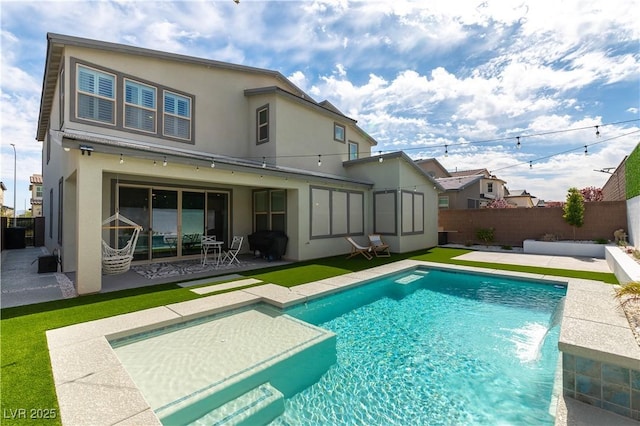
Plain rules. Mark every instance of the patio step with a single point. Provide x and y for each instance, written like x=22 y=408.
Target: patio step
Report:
x=260 y=405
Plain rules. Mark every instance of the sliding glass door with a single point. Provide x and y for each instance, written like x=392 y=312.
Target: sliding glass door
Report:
x=192 y=222
x=173 y=220
x=164 y=223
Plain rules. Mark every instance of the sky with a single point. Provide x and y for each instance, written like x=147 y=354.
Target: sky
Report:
x=456 y=80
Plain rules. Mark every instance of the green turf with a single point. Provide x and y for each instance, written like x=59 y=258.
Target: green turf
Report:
x=27 y=381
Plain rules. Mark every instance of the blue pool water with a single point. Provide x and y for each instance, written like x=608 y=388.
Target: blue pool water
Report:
x=433 y=347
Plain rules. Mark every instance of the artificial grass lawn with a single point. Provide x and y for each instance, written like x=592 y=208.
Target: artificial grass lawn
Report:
x=27 y=381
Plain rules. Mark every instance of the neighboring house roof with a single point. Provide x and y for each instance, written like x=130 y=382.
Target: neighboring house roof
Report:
x=36 y=179
x=402 y=156
x=56 y=43
x=117 y=145
x=459 y=182
x=36 y=201
x=518 y=193
x=472 y=172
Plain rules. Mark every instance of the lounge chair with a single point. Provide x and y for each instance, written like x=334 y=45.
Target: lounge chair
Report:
x=379 y=248
x=357 y=249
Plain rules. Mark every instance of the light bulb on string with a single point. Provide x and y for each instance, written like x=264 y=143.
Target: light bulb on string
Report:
x=380 y=160
x=121 y=159
x=446 y=151
x=319 y=160
x=213 y=164
x=164 y=162
x=264 y=162
x=597 y=131
x=518 y=143
x=530 y=164
x=586 y=151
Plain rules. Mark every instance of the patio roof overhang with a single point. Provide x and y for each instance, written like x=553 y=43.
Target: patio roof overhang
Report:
x=111 y=145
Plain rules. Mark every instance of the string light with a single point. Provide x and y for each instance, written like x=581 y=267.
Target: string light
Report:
x=121 y=159
x=597 y=131
x=197 y=168
x=380 y=160
x=446 y=150
x=586 y=151
x=164 y=162
x=264 y=162
x=319 y=160
x=155 y=163
x=213 y=164
x=518 y=144
x=530 y=164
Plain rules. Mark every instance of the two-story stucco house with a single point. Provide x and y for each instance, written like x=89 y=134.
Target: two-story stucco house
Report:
x=35 y=186
x=186 y=146
x=466 y=189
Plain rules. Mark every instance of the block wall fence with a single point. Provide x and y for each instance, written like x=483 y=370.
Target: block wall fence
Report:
x=513 y=226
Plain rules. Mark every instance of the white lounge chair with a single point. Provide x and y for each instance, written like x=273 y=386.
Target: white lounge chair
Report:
x=357 y=249
x=379 y=248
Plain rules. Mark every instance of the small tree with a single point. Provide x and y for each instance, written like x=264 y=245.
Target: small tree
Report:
x=499 y=203
x=574 y=209
x=591 y=193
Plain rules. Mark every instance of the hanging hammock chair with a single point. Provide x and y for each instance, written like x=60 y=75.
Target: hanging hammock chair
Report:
x=118 y=260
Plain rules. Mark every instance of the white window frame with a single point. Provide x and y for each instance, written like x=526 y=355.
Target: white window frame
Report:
x=96 y=95
x=137 y=105
x=443 y=201
x=175 y=115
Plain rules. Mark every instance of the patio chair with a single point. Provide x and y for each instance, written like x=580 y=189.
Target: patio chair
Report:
x=357 y=249
x=379 y=248
x=231 y=255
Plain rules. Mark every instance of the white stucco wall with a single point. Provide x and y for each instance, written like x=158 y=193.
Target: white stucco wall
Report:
x=633 y=221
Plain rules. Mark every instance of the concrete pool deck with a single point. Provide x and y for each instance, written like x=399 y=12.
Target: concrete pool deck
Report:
x=93 y=386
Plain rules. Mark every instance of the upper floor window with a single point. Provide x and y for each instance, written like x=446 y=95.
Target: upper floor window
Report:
x=353 y=150
x=39 y=191
x=490 y=187
x=262 y=124
x=443 y=202
x=177 y=115
x=339 y=132
x=96 y=95
x=139 y=106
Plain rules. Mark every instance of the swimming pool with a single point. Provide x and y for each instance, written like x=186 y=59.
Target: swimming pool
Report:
x=434 y=347
x=426 y=346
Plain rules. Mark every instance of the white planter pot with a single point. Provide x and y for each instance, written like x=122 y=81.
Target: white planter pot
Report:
x=564 y=248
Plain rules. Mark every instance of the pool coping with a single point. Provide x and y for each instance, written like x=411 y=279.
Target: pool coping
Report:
x=93 y=387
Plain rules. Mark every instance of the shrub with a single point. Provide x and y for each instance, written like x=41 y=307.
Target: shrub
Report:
x=506 y=247
x=629 y=292
x=601 y=241
x=485 y=235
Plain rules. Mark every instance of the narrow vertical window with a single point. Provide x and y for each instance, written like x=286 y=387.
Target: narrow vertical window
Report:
x=353 y=151
x=339 y=132
x=60 y=211
x=96 y=95
x=139 y=106
x=177 y=116
x=262 y=124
